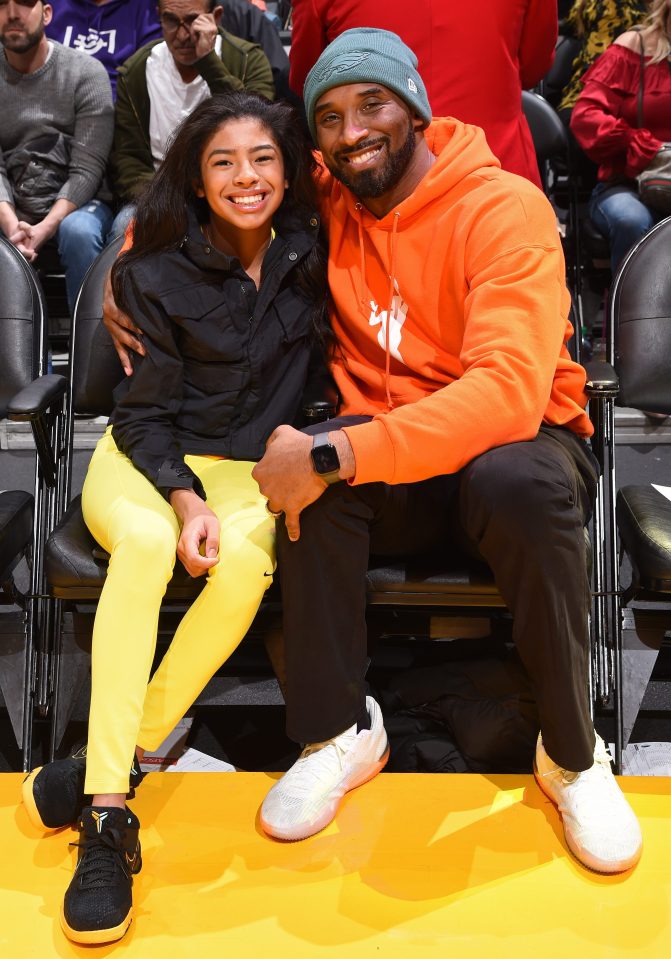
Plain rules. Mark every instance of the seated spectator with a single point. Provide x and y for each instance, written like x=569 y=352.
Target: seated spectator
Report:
x=188 y=426
x=165 y=81
x=596 y=23
x=462 y=420
x=607 y=125
x=109 y=30
x=244 y=20
x=475 y=59
x=54 y=141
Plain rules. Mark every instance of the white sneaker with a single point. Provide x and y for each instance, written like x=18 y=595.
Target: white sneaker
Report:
x=306 y=798
x=599 y=824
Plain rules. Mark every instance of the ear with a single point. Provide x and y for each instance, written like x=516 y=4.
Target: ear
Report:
x=418 y=124
x=47 y=14
x=217 y=13
x=197 y=188
x=286 y=184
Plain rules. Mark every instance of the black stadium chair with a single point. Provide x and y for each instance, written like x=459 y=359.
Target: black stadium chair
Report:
x=553 y=152
x=23 y=517
x=640 y=350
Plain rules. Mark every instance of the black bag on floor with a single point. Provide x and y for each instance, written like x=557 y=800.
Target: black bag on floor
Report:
x=474 y=715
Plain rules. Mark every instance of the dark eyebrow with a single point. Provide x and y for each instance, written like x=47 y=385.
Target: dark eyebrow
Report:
x=371 y=91
x=261 y=146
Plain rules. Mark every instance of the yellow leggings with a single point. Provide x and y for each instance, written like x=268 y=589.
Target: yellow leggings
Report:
x=138 y=527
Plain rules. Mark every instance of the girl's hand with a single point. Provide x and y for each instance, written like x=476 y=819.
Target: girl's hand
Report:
x=198 y=546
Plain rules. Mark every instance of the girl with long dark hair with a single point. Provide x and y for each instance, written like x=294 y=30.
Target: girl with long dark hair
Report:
x=226 y=278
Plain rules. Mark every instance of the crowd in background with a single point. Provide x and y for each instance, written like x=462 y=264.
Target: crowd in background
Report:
x=92 y=91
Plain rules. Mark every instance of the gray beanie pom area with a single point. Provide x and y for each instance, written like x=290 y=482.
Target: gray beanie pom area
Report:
x=366 y=55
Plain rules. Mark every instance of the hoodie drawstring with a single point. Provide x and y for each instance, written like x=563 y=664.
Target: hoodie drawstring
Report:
x=362 y=263
x=390 y=301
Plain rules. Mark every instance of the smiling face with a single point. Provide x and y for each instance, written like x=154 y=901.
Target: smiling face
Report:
x=22 y=24
x=368 y=137
x=242 y=177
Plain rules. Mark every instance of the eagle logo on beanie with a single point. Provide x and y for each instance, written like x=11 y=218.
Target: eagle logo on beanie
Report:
x=343 y=64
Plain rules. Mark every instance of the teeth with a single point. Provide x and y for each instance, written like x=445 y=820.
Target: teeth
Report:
x=364 y=156
x=247 y=200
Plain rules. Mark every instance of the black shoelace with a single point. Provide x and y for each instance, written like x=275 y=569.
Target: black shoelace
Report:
x=101 y=862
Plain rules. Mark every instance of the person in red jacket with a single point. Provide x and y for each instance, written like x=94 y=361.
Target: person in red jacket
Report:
x=621 y=136
x=474 y=73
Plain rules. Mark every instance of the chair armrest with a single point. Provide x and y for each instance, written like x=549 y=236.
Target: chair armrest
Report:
x=31 y=405
x=602 y=380
x=36 y=398
x=320 y=400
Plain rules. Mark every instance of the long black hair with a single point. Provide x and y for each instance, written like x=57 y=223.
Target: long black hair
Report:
x=161 y=218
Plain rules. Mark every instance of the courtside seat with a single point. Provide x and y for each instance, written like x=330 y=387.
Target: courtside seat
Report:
x=644 y=522
x=22 y=357
x=640 y=350
x=16 y=526
x=432 y=580
x=76 y=566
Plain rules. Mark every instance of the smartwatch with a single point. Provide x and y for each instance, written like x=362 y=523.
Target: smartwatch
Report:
x=325 y=460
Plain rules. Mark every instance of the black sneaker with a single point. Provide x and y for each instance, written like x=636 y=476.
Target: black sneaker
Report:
x=54 y=794
x=98 y=903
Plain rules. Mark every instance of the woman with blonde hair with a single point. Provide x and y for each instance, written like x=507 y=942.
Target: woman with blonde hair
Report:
x=596 y=23
x=622 y=120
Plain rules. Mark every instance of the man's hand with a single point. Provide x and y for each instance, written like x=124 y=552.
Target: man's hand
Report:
x=21 y=240
x=37 y=234
x=204 y=33
x=285 y=476
x=198 y=546
x=121 y=328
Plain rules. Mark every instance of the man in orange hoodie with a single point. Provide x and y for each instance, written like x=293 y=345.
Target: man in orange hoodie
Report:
x=459 y=398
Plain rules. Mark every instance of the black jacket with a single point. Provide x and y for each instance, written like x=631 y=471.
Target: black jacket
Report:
x=225 y=365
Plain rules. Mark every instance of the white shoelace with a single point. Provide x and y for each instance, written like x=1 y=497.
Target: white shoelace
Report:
x=322 y=757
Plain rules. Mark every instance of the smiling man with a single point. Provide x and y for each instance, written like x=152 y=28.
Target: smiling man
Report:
x=462 y=420
x=164 y=82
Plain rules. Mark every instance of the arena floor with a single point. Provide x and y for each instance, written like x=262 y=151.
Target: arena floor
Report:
x=461 y=866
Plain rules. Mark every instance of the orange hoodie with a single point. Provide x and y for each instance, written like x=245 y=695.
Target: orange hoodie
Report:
x=470 y=268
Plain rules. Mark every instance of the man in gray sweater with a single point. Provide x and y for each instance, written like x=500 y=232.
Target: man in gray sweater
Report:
x=55 y=137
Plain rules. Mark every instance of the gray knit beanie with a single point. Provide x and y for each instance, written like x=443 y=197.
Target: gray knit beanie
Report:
x=365 y=55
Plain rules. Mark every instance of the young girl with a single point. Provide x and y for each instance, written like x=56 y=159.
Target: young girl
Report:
x=226 y=278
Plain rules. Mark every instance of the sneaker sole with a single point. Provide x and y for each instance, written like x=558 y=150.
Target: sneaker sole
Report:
x=582 y=855
x=303 y=831
x=31 y=806
x=96 y=937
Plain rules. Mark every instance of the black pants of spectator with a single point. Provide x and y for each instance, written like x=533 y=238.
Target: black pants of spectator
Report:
x=521 y=507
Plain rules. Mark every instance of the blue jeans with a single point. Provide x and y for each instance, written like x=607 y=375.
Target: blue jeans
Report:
x=617 y=212
x=121 y=221
x=81 y=237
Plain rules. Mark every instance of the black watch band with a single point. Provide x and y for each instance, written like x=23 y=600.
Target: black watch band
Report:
x=325 y=459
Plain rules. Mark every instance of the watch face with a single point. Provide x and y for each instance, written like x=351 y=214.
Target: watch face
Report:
x=325 y=459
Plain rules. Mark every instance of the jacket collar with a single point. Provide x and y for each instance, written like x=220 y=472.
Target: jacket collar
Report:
x=297 y=241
